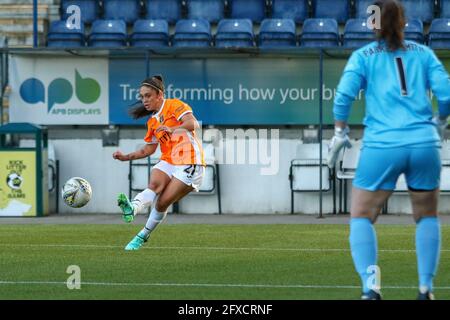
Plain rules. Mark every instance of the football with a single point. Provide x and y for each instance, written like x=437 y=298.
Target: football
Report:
x=76 y=192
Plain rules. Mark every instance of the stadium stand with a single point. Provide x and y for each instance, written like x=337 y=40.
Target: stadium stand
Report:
x=277 y=33
x=211 y=10
x=414 y=31
x=304 y=174
x=439 y=36
x=298 y=10
x=320 y=33
x=16 y=20
x=61 y=35
x=332 y=9
x=361 y=8
x=127 y=10
x=419 y=9
x=108 y=34
x=192 y=33
x=170 y=10
x=90 y=9
x=255 y=10
x=445 y=9
x=150 y=33
x=235 y=33
x=344 y=23
x=357 y=34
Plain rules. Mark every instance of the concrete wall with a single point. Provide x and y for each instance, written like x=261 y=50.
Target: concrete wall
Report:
x=243 y=188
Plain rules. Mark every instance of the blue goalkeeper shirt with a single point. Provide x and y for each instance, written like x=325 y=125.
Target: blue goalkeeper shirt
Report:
x=396 y=85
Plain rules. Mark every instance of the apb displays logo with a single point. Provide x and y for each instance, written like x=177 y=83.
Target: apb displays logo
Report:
x=60 y=91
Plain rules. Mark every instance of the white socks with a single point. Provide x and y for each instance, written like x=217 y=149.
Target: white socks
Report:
x=153 y=221
x=143 y=200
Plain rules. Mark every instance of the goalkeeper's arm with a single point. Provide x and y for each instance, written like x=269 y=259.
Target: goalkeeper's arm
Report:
x=340 y=139
x=439 y=82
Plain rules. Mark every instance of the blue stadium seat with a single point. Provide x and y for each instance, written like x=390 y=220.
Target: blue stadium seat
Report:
x=361 y=8
x=419 y=9
x=89 y=9
x=169 y=10
x=414 y=31
x=333 y=9
x=439 y=34
x=150 y=33
x=235 y=33
x=127 y=10
x=61 y=36
x=320 y=33
x=192 y=33
x=290 y=9
x=255 y=10
x=211 y=10
x=445 y=9
x=108 y=33
x=277 y=33
x=357 y=33
x=414 y=9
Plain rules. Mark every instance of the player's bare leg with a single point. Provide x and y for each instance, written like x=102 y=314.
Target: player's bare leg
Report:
x=173 y=192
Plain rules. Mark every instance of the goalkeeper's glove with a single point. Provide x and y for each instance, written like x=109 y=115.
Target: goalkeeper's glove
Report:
x=441 y=125
x=339 y=140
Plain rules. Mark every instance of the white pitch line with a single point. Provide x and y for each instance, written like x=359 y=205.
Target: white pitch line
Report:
x=219 y=285
x=93 y=246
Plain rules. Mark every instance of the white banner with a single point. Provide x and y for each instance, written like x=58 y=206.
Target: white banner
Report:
x=59 y=90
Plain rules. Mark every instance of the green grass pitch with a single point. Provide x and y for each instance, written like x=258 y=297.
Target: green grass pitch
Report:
x=269 y=262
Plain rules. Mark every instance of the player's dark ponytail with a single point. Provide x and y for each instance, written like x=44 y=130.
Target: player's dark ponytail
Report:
x=392 y=23
x=156 y=83
x=138 y=111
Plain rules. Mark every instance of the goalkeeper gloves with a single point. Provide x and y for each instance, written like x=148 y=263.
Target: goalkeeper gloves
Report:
x=339 y=140
x=441 y=125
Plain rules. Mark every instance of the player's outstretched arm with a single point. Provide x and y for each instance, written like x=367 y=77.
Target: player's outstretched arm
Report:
x=144 y=152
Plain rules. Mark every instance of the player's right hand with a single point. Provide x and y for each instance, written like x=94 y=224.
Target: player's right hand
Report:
x=119 y=156
x=339 y=140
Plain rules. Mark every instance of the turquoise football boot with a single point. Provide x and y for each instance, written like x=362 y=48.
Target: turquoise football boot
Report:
x=126 y=207
x=136 y=243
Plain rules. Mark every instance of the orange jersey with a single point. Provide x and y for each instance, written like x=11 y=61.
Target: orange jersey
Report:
x=181 y=147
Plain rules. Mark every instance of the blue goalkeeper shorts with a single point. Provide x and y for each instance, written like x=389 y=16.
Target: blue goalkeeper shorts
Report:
x=379 y=168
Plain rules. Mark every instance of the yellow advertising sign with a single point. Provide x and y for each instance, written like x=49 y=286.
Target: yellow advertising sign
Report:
x=18 y=183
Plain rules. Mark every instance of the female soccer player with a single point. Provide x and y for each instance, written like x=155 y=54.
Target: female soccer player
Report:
x=171 y=124
x=400 y=137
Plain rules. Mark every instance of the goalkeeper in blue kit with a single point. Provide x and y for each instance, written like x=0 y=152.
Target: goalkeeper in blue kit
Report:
x=401 y=136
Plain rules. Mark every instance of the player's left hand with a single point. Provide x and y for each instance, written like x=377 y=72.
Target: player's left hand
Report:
x=165 y=129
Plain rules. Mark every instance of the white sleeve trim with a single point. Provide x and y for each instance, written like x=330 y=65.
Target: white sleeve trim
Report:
x=181 y=116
